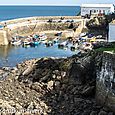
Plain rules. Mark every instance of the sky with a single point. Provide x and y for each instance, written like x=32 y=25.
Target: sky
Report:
x=52 y=2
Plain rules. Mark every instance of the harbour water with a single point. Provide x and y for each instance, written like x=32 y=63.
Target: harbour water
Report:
x=10 y=56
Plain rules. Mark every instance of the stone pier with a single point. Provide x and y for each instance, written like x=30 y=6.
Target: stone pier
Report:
x=27 y=26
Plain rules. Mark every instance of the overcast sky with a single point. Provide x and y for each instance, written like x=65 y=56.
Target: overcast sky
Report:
x=53 y=2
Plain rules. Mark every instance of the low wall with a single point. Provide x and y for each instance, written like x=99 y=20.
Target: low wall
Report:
x=105 y=89
x=39 y=27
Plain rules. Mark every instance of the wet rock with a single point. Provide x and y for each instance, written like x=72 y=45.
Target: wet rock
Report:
x=102 y=113
x=88 y=91
x=57 y=84
x=93 y=113
x=110 y=113
x=27 y=71
x=47 y=64
x=50 y=85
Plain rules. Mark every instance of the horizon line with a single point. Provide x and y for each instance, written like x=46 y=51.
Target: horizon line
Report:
x=39 y=5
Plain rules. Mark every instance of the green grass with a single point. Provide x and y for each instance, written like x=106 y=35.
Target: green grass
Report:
x=106 y=49
x=112 y=49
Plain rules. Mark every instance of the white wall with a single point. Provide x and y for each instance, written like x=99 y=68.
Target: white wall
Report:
x=111 y=33
x=86 y=10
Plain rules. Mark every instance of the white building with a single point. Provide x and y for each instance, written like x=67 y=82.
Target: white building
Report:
x=111 y=37
x=96 y=9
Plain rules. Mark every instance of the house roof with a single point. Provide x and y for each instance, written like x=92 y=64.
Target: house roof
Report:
x=97 y=5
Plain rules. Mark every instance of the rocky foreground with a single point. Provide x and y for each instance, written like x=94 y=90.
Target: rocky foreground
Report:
x=50 y=86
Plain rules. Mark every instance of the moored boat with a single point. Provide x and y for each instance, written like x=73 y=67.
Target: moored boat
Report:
x=74 y=47
x=87 y=46
x=35 y=43
x=42 y=37
x=26 y=43
x=49 y=43
x=16 y=42
x=63 y=44
x=56 y=40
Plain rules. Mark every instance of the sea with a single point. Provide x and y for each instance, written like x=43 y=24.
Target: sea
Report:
x=12 y=55
x=12 y=12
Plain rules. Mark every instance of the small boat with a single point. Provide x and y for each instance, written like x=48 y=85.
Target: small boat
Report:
x=45 y=41
x=35 y=43
x=49 y=43
x=87 y=46
x=42 y=37
x=83 y=34
x=63 y=44
x=74 y=47
x=56 y=40
x=26 y=43
x=16 y=43
x=58 y=34
x=36 y=36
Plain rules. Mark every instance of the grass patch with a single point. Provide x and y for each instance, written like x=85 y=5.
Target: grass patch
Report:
x=111 y=48
x=106 y=49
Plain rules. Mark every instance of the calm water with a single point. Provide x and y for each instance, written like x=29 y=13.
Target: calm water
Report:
x=11 y=12
x=10 y=56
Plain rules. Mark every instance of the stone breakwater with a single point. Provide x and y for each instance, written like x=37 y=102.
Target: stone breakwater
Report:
x=28 y=26
x=50 y=86
x=42 y=18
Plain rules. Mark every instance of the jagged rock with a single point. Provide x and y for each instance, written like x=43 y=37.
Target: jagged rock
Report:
x=88 y=91
x=52 y=86
x=57 y=84
x=27 y=71
x=102 y=113
x=110 y=113
x=93 y=113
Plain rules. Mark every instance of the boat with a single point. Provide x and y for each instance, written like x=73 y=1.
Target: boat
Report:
x=58 y=34
x=42 y=37
x=83 y=34
x=87 y=46
x=74 y=47
x=49 y=43
x=35 y=43
x=63 y=44
x=36 y=36
x=56 y=40
x=16 y=42
x=45 y=41
x=26 y=43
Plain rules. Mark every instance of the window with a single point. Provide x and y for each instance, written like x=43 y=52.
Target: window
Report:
x=94 y=11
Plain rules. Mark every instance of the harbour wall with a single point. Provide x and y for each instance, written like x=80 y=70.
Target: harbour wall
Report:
x=39 y=27
x=3 y=37
x=42 y=18
x=105 y=83
x=25 y=26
